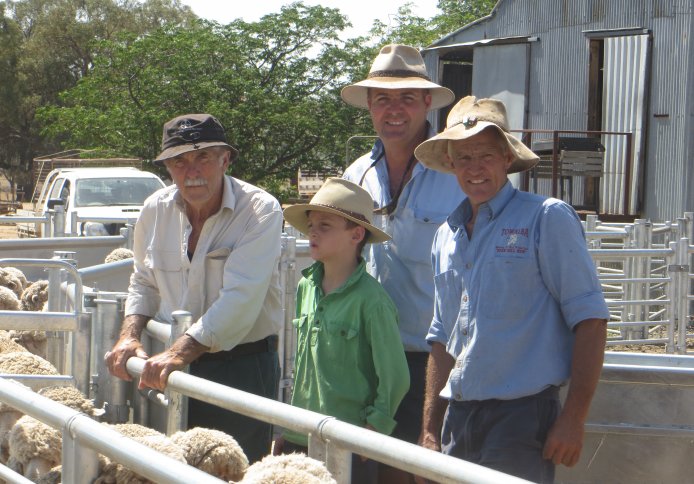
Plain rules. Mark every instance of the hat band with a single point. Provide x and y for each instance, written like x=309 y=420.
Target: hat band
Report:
x=398 y=73
x=471 y=123
x=356 y=215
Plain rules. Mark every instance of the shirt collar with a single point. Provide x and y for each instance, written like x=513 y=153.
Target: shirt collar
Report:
x=314 y=273
x=493 y=207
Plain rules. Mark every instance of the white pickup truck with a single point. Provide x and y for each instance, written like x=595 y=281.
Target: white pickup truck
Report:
x=116 y=194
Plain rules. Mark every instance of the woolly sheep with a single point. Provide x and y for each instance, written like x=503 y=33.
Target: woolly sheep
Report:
x=35 y=447
x=111 y=472
x=22 y=363
x=18 y=363
x=134 y=430
x=8 y=299
x=119 y=253
x=8 y=345
x=33 y=340
x=18 y=274
x=288 y=469
x=35 y=296
x=212 y=451
x=10 y=281
x=8 y=417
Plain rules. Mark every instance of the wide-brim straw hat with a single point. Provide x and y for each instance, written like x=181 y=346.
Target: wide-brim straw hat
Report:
x=397 y=67
x=339 y=197
x=192 y=132
x=469 y=117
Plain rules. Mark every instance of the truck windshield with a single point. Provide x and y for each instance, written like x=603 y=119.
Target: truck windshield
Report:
x=95 y=192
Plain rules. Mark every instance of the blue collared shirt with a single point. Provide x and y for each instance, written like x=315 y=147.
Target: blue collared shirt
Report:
x=507 y=299
x=403 y=264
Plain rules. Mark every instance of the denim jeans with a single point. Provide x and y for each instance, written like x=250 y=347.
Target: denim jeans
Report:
x=505 y=435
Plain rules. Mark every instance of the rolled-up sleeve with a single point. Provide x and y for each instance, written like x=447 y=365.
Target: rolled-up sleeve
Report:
x=143 y=294
x=567 y=269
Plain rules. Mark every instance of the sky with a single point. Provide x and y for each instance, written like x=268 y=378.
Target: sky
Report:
x=361 y=13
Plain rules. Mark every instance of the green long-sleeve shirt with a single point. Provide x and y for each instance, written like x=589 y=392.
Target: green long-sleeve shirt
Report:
x=350 y=362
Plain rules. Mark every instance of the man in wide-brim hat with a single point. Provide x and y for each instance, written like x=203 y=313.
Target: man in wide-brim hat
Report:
x=208 y=244
x=411 y=201
x=518 y=310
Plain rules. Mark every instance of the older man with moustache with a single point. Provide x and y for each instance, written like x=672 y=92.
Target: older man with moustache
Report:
x=208 y=244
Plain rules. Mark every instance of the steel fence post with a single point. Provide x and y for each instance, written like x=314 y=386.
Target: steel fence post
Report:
x=177 y=410
x=80 y=464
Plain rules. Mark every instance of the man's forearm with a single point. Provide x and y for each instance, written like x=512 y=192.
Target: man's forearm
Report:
x=586 y=365
x=438 y=368
x=188 y=349
x=132 y=326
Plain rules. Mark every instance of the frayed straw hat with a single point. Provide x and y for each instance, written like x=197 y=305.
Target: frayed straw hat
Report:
x=468 y=118
x=339 y=197
x=397 y=67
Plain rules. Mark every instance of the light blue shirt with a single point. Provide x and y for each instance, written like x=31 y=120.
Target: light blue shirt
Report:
x=403 y=264
x=507 y=300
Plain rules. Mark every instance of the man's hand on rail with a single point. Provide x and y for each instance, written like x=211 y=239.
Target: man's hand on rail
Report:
x=156 y=371
x=122 y=351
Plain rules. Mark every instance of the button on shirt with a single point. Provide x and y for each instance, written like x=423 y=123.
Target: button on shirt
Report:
x=349 y=361
x=231 y=285
x=508 y=299
x=403 y=265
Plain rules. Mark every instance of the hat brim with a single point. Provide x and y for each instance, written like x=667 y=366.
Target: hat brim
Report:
x=433 y=152
x=185 y=148
x=357 y=94
x=297 y=216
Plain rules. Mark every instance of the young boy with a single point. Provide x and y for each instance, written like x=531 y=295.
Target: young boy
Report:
x=350 y=362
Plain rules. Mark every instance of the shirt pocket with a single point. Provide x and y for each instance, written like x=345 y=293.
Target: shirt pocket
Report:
x=214 y=273
x=342 y=343
x=507 y=288
x=414 y=232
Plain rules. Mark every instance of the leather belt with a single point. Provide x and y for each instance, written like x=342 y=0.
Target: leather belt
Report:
x=265 y=345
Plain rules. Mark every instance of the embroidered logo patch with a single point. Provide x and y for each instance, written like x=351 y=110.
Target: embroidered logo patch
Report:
x=515 y=241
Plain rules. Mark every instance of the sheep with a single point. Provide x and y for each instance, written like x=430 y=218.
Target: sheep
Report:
x=212 y=451
x=23 y=363
x=8 y=345
x=8 y=299
x=34 y=341
x=18 y=363
x=10 y=281
x=35 y=447
x=18 y=274
x=119 y=253
x=8 y=417
x=288 y=469
x=111 y=472
x=134 y=430
x=34 y=296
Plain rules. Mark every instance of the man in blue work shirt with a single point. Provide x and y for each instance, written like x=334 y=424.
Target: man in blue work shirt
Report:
x=518 y=308
x=411 y=202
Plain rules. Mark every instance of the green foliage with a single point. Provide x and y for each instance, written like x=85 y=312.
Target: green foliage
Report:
x=46 y=46
x=274 y=84
x=411 y=29
x=106 y=74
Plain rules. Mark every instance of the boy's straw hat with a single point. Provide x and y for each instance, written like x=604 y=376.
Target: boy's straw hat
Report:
x=468 y=118
x=397 y=67
x=340 y=197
